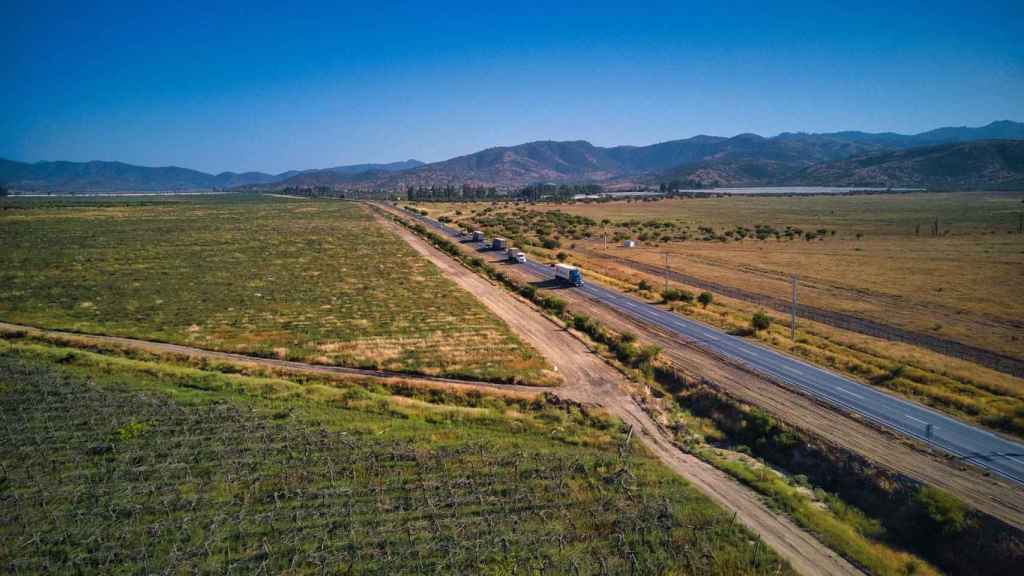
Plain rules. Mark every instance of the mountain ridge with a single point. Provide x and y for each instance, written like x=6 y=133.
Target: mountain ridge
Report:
x=700 y=161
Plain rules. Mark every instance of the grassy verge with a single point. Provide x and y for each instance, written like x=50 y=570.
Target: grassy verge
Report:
x=119 y=465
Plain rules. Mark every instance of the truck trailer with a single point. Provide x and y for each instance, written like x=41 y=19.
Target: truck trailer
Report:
x=569 y=274
x=478 y=236
x=499 y=244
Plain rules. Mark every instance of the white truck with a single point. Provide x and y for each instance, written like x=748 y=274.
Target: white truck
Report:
x=516 y=256
x=569 y=274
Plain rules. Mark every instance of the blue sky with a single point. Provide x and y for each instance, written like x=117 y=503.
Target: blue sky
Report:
x=270 y=86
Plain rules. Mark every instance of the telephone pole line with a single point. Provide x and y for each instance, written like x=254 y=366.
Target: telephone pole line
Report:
x=792 y=313
x=666 y=271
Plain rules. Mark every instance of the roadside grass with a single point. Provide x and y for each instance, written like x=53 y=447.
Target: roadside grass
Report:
x=840 y=526
x=314 y=281
x=118 y=465
x=869 y=255
x=961 y=388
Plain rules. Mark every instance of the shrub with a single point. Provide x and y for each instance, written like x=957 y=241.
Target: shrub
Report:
x=760 y=321
x=946 y=514
x=674 y=295
x=562 y=256
x=705 y=298
x=644 y=286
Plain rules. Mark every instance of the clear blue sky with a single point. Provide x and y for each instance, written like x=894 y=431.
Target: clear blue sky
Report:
x=269 y=86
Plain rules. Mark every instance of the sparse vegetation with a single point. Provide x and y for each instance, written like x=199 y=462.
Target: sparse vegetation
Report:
x=311 y=280
x=760 y=321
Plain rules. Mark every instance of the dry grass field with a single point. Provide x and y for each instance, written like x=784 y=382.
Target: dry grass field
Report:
x=865 y=256
x=317 y=281
x=876 y=257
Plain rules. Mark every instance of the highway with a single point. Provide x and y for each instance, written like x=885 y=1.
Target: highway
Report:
x=970 y=443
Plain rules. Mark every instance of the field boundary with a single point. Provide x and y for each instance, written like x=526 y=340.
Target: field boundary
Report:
x=8 y=328
x=984 y=357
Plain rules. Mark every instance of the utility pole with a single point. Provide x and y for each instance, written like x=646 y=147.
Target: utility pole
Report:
x=1020 y=224
x=666 y=271
x=792 y=313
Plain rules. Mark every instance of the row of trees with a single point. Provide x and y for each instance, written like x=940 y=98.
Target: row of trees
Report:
x=451 y=193
x=557 y=192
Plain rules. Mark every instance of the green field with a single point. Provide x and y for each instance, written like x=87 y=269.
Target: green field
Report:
x=114 y=465
x=317 y=281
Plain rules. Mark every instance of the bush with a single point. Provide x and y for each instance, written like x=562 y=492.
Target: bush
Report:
x=945 y=513
x=562 y=256
x=644 y=286
x=760 y=321
x=550 y=243
x=674 y=295
x=705 y=298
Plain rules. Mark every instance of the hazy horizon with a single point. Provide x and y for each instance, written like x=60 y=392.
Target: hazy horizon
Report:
x=269 y=88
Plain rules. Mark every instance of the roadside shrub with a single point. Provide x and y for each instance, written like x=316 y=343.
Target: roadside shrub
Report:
x=644 y=286
x=942 y=511
x=676 y=295
x=760 y=321
x=705 y=298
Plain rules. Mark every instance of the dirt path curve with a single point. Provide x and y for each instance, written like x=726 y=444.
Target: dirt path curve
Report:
x=284 y=365
x=590 y=380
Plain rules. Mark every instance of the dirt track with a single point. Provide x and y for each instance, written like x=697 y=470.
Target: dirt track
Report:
x=592 y=381
x=282 y=365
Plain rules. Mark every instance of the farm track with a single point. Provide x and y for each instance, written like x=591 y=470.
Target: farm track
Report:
x=285 y=365
x=590 y=380
x=982 y=356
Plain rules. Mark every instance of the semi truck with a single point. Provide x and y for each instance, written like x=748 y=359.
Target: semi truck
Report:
x=478 y=236
x=516 y=256
x=499 y=244
x=569 y=274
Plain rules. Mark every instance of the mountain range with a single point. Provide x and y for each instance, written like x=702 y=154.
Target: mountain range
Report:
x=990 y=156
x=98 y=176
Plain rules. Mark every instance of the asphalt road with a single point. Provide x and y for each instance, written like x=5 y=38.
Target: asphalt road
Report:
x=980 y=447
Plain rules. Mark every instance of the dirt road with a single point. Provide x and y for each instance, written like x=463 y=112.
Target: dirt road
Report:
x=89 y=340
x=589 y=380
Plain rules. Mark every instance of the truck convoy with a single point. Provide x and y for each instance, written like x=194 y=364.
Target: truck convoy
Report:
x=568 y=274
x=499 y=244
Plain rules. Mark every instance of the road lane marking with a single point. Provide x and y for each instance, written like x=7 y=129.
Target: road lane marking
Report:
x=844 y=391
x=916 y=419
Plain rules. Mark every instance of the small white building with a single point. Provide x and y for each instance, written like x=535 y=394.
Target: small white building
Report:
x=629 y=244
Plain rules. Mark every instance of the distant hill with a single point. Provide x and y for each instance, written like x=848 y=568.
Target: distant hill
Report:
x=99 y=176
x=993 y=164
x=743 y=160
